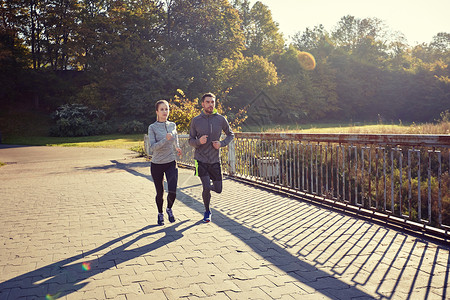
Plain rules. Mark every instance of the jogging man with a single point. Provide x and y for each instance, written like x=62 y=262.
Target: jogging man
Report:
x=204 y=136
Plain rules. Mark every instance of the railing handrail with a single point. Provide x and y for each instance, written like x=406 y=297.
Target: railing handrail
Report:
x=430 y=140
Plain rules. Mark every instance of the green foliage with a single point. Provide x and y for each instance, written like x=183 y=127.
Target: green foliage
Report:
x=139 y=149
x=309 y=95
x=444 y=117
x=262 y=36
x=211 y=27
x=183 y=110
x=132 y=127
x=122 y=56
x=247 y=77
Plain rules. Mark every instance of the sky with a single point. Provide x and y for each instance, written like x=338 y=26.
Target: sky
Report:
x=418 y=20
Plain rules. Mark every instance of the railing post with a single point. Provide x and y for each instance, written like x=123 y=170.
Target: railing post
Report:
x=232 y=157
x=146 y=144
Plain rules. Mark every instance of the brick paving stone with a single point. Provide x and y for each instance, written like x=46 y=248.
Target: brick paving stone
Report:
x=280 y=280
x=158 y=284
x=253 y=293
x=278 y=292
x=345 y=294
x=156 y=294
x=316 y=296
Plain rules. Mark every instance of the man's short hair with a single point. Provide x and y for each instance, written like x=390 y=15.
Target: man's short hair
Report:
x=208 y=95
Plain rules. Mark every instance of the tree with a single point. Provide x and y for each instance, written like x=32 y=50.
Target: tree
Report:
x=363 y=38
x=247 y=77
x=210 y=27
x=199 y=36
x=262 y=36
x=307 y=95
x=122 y=55
x=441 y=42
x=183 y=110
x=315 y=41
x=14 y=59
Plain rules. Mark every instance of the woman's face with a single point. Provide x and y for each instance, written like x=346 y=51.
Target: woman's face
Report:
x=162 y=112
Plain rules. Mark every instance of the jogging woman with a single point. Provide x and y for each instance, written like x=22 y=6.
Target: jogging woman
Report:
x=164 y=146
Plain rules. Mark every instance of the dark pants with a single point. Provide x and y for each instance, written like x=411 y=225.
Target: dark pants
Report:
x=208 y=173
x=171 y=171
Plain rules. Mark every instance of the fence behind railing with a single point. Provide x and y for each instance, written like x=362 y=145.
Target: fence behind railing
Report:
x=399 y=177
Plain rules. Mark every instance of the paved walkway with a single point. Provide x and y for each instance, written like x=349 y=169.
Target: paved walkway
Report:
x=79 y=223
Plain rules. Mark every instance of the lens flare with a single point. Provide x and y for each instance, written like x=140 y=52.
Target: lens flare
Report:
x=306 y=60
x=52 y=297
x=86 y=266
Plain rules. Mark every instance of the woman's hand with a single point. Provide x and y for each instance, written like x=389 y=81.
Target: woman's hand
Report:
x=178 y=151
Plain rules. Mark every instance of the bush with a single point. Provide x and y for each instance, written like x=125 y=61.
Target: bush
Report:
x=183 y=110
x=77 y=120
x=132 y=127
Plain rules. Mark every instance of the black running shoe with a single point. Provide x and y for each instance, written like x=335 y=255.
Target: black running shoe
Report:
x=207 y=217
x=160 y=219
x=170 y=214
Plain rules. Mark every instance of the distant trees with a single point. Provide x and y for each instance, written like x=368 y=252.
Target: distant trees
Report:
x=376 y=73
x=122 y=56
x=262 y=36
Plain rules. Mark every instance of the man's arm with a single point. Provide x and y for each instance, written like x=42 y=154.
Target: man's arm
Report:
x=229 y=133
x=193 y=141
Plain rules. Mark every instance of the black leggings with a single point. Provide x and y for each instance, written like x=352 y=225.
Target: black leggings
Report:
x=207 y=188
x=171 y=171
x=208 y=173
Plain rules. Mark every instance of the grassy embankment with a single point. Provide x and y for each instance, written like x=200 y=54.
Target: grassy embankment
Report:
x=426 y=128
x=99 y=141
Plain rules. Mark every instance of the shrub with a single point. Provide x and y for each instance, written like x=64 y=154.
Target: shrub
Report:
x=77 y=120
x=183 y=110
x=132 y=127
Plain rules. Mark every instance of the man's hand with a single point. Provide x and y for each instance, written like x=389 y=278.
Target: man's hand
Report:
x=203 y=139
x=216 y=144
x=169 y=136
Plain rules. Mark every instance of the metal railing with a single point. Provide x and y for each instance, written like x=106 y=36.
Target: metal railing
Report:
x=403 y=178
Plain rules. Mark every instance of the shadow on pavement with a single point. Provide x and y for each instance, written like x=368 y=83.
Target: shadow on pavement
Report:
x=68 y=276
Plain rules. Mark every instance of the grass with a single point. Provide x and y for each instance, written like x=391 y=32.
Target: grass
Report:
x=426 y=128
x=100 y=141
x=24 y=122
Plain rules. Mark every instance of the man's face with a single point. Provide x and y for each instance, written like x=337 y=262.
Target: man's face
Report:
x=208 y=105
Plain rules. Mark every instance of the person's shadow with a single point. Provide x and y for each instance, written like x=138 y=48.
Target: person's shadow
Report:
x=67 y=276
